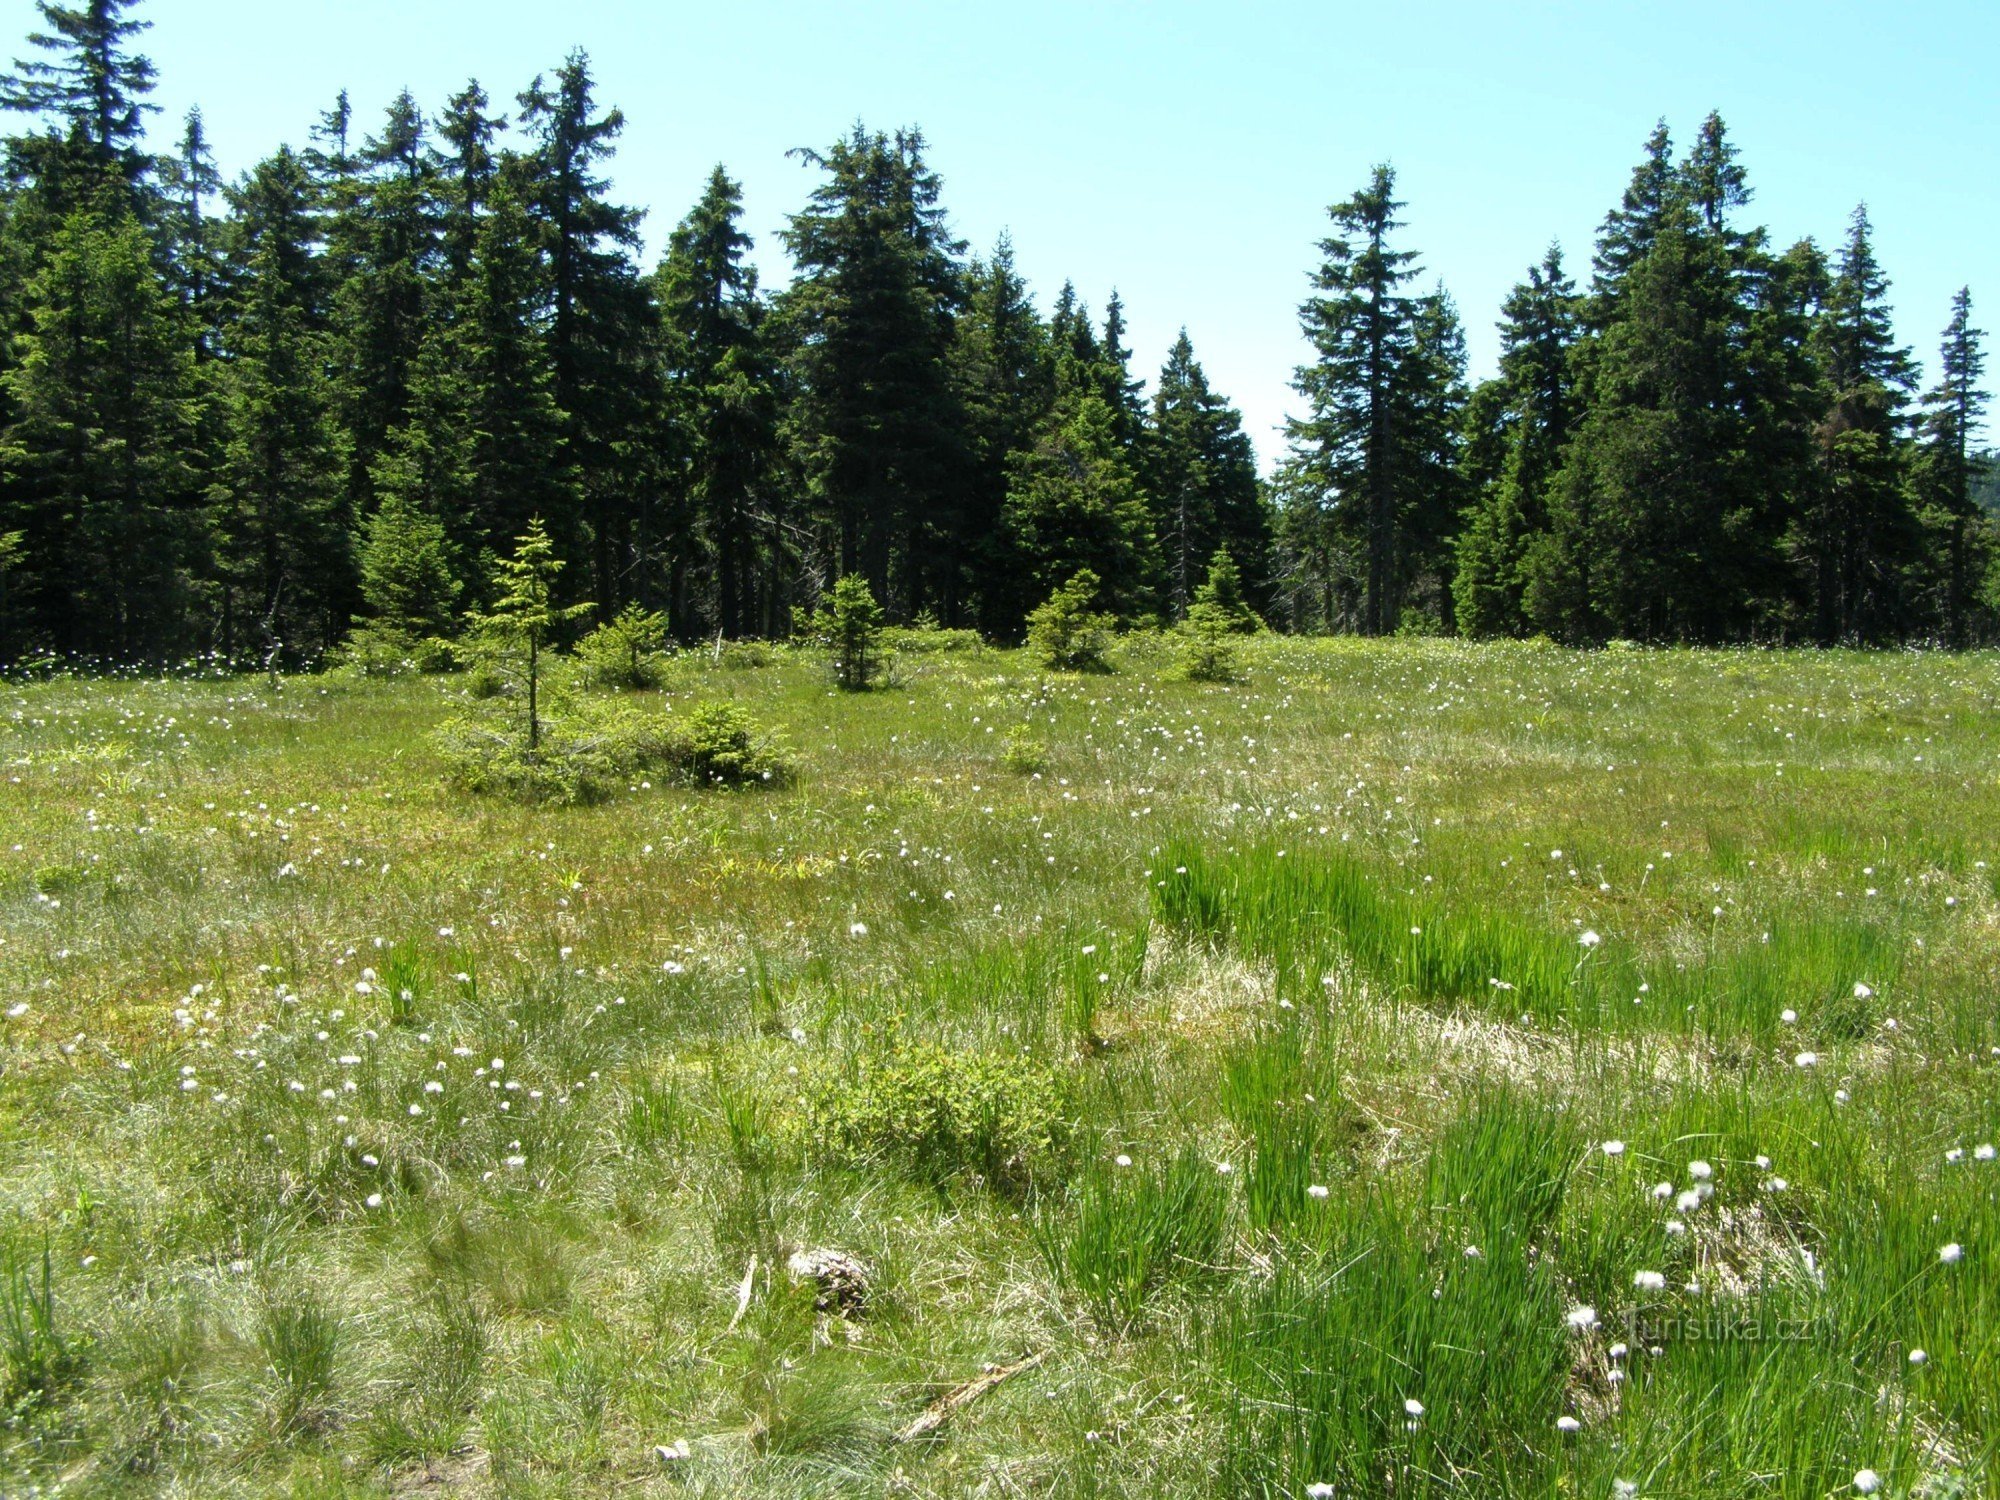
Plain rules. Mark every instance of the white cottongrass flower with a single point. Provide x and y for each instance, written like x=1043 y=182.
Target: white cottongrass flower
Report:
x=857 y=929
x=1951 y=1254
x=1806 y=1059
x=1867 y=1481
x=1473 y=1252
x=1788 y=1016
x=1122 y=1159
x=1319 y=1490
x=1568 y=1424
x=1918 y=1357
x=1583 y=1318
x=1319 y=1190
x=1613 y=1148
x=1663 y=1190
x=1589 y=938
x=1649 y=1281
x=374 y=1200
x=1863 y=992
x=1700 y=1171
x=1688 y=1201
x=1983 y=1152
x=1414 y=1407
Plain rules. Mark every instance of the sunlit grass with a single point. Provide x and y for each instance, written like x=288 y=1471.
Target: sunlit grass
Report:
x=1252 y=1060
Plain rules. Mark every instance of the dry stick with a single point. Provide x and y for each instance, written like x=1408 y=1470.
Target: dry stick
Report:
x=939 y=1411
x=743 y=1293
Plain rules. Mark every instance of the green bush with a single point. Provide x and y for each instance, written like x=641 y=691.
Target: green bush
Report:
x=942 y=1114
x=721 y=745
x=587 y=755
x=377 y=650
x=626 y=652
x=1066 y=633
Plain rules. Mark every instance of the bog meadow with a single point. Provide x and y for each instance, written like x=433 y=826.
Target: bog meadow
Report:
x=622 y=879
x=1413 y=1067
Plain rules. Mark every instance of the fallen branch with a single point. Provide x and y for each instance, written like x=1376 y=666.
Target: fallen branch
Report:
x=743 y=1293
x=939 y=1411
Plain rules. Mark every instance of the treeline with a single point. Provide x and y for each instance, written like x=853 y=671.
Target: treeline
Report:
x=246 y=418
x=1713 y=442
x=241 y=417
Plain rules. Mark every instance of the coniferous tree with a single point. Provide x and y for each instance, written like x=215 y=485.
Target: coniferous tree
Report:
x=466 y=173
x=90 y=89
x=1347 y=485
x=1863 y=536
x=103 y=416
x=601 y=331
x=1947 y=466
x=409 y=575
x=720 y=366
x=1535 y=412
x=190 y=235
x=1004 y=371
x=285 y=529
x=1202 y=487
x=871 y=321
x=1661 y=527
x=382 y=306
x=1075 y=503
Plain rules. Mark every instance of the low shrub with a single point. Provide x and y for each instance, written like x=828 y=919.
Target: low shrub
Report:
x=586 y=756
x=942 y=1115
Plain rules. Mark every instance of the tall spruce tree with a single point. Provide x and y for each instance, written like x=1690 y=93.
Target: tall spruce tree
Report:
x=382 y=307
x=1947 y=467
x=876 y=417
x=104 y=411
x=1348 y=481
x=725 y=383
x=90 y=90
x=601 y=333
x=1864 y=534
x=286 y=530
x=1202 y=487
x=1004 y=372
x=1534 y=415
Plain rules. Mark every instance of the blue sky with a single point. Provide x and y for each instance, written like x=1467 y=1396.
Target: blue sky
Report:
x=1186 y=152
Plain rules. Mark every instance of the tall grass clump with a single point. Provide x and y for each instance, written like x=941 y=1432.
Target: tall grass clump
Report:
x=1305 y=914
x=1125 y=1229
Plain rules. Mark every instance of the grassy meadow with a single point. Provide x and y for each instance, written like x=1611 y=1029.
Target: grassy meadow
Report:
x=1415 y=1069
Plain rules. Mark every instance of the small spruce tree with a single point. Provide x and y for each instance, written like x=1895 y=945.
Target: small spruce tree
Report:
x=525 y=616
x=852 y=623
x=1208 y=654
x=625 y=652
x=1066 y=633
x=1224 y=591
x=408 y=580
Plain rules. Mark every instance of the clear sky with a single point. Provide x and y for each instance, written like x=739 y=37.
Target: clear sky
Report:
x=1186 y=152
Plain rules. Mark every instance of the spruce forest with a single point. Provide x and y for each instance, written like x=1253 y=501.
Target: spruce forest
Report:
x=242 y=419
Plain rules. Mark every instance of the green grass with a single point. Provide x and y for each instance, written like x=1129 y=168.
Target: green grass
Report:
x=1247 y=1052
